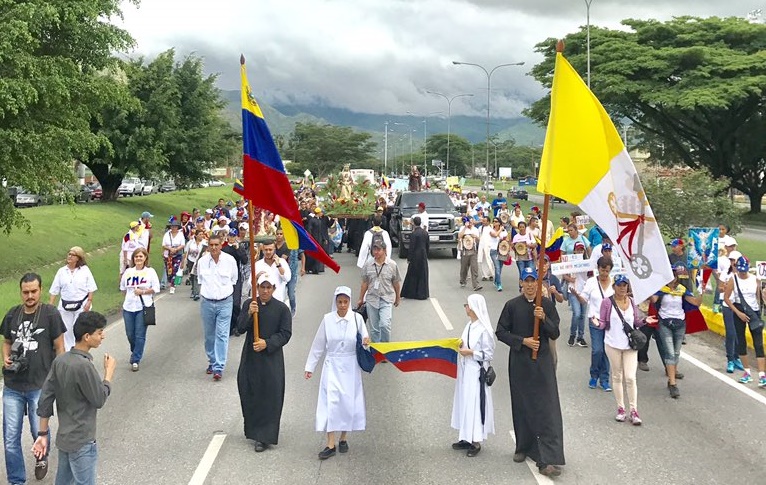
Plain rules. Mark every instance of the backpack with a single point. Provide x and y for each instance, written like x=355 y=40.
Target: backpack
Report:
x=377 y=238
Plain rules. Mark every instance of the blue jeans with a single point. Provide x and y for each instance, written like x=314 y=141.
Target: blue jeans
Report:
x=79 y=467
x=216 y=321
x=731 y=333
x=14 y=405
x=599 y=364
x=498 y=267
x=380 y=321
x=295 y=274
x=524 y=264
x=136 y=332
x=579 y=310
x=672 y=331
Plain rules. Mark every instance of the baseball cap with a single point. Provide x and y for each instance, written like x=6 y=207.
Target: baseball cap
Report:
x=743 y=264
x=266 y=278
x=676 y=242
x=379 y=209
x=133 y=224
x=208 y=211
x=729 y=241
x=620 y=279
x=528 y=273
x=579 y=245
x=735 y=255
x=317 y=210
x=606 y=247
x=146 y=215
x=233 y=232
x=379 y=244
x=422 y=205
x=200 y=219
x=223 y=217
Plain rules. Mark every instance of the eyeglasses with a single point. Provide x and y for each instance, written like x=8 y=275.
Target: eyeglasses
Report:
x=72 y=254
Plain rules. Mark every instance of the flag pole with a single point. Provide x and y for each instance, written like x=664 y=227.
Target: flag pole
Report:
x=253 y=279
x=540 y=263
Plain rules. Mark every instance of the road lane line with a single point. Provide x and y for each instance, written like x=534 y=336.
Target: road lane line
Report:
x=200 y=474
x=541 y=479
x=121 y=321
x=442 y=315
x=726 y=380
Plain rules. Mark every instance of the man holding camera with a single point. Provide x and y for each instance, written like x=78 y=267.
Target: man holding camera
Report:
x=34 y=336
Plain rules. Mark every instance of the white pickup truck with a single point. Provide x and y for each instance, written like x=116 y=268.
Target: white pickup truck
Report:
x=131 y=186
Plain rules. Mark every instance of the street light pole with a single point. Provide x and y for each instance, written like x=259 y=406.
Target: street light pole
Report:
x=587 y=41
x=449 y=116
x=385 y=149
x=489 y=92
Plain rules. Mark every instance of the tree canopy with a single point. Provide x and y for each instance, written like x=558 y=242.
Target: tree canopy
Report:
x=694 y=86
x=52 y=56
x=324 y=149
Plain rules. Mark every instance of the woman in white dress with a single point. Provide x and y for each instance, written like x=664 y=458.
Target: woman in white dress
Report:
x=477 y=346
x=74 y=285
x=340 y=407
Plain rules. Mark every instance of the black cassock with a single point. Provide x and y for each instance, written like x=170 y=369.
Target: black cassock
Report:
x=241 y=256
x=261 y=375
x=415 y=284
x=534 y=390
x=318 y=230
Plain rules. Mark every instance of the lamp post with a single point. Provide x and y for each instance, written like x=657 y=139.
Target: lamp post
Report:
x=587 y=41
x=489 y=92
x=449 y=116
x=409 y=131
x=385 y=149
x=425 y=138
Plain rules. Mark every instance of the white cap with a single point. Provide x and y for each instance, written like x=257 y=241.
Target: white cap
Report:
x=208 y=211
x=729 y=241
x=266 y=277
x=243 y=225
x=343 y=290
x=735 y=255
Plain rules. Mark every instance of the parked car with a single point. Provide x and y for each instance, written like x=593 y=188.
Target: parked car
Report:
x=217 y=183
x=131 y=186
x=204 y=184
x=24 y=198
x=555 y=199
x=487 y=186
x=518 y=193
x=96 y=192
x=150 y=187
x=168 y=186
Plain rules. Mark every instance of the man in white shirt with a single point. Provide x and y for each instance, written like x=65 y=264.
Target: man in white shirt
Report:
x=484 y=204
x=423 y=215
x=217 y=273
x=277 y=269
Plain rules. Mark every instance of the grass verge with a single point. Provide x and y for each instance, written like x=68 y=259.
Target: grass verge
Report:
x=98 y=228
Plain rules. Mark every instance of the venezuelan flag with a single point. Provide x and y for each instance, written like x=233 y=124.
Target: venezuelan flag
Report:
x=265 y=180
x=239 y=187
x=553 y=247
x=296 y=237
x=438 y=356
x=585 y=162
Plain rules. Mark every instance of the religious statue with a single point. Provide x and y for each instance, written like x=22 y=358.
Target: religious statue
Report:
x=415 y=185
x=346 y=182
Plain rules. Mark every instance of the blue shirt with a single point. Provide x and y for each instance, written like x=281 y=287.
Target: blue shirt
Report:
x=496 y=204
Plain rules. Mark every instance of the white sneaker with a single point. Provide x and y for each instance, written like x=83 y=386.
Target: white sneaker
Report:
x=134 y=366
x=172 y=289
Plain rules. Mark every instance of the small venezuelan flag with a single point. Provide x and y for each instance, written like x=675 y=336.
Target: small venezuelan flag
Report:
x=438 y=356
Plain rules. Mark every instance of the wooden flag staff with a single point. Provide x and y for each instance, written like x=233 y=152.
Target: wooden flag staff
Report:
x=253 y=255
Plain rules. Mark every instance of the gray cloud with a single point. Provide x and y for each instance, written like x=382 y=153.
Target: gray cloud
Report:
x=381 y=57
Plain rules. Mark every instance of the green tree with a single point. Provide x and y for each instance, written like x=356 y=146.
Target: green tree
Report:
x=52 y=55
x=694 y=200
x=458 y=148
x=695 y=87
x=324 y=149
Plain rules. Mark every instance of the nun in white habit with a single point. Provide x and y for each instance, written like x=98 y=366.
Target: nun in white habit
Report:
x=340 y=407
x=477 y=346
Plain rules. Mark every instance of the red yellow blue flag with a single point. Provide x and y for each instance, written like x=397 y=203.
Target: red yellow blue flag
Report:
x=438 y=356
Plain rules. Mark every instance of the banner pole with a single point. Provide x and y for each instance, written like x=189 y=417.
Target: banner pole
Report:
x=540 y=263
x=253 y=279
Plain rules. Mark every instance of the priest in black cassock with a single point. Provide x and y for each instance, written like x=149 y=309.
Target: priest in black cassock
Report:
x=261 y=375
x=318 y=230
x=415 y=284
x=534 y=391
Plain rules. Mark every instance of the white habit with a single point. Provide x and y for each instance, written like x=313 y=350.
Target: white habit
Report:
x=340 y=406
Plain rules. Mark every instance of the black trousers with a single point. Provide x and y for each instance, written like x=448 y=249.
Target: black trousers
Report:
x=643 y=354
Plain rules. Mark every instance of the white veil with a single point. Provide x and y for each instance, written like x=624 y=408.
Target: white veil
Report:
x=341 y=290
x=478 y=304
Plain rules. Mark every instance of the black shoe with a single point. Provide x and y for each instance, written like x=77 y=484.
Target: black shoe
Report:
x=674 y=392
x=571 y=341
x=259 y=447
x=679 y=375
x=549 y=471
x=519 y=457
x=474 y=450
x=41 y=469
x=581 y=342
x=326 y=453
x=478 y=288
x=461 y=445
x=343 y=446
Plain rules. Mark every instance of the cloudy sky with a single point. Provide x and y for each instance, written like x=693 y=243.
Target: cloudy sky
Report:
x=380 y=56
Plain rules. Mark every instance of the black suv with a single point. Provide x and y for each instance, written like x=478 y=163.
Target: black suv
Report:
x=443 y=219
x=518 y=193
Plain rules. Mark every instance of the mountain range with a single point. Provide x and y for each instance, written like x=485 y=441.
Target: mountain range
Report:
x=282 y=120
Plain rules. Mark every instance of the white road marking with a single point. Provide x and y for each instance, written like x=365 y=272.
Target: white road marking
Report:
x=541 y=479
x=200 y=474
x=121 y=321
x=726 y=380
x=442 y=315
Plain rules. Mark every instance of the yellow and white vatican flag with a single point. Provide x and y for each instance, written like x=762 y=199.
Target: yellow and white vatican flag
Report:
x=585 y=162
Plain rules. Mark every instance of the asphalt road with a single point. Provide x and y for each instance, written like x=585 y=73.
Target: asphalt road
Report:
x=159 y=422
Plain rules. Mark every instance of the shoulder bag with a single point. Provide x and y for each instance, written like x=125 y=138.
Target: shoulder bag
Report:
x=73 y=306
x=756 y=322
x=150 y=317
x=636 y=338
x=364 y=356
x=486 y=376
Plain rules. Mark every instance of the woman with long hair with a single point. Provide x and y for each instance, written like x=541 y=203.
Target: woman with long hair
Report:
x=138 y=283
